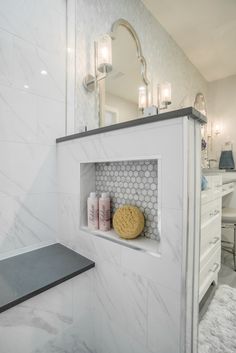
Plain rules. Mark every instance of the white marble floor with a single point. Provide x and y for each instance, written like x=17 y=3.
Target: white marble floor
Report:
x=227 y=274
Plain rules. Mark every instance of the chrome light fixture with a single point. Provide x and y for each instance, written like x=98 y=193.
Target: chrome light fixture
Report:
x=164 y=95
x=142 y=98
x=103 y=62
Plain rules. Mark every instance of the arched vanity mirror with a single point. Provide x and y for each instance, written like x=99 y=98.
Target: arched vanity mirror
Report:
x=125 y=87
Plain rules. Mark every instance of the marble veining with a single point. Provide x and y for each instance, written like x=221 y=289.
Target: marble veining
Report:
x=137 y=299
x=54 y=321
x=32 y=116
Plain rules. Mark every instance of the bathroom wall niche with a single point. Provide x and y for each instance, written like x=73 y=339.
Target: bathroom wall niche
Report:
x=133 y=182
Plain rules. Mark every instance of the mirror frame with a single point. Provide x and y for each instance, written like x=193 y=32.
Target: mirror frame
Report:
x=141 y=59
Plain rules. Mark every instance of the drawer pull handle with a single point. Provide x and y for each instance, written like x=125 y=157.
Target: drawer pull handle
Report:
x=228 y=187
x=214 y=213
x=214 y=269
x=216 y=239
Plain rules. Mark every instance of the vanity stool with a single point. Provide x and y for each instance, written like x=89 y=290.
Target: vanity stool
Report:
x=229 y=222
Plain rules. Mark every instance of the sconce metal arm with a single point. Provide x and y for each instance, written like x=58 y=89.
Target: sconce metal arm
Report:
x=89 y=81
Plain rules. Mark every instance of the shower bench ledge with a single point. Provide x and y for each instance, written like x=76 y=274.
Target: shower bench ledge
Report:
x=31 y=273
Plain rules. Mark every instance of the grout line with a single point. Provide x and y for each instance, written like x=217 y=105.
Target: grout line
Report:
x=12 y=86
x=13 y=34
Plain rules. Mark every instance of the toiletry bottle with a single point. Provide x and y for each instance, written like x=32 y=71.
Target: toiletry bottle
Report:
x=104 y=212
x=92 y=211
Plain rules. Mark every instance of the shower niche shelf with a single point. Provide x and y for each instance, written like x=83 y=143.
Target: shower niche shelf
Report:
x=133 y=182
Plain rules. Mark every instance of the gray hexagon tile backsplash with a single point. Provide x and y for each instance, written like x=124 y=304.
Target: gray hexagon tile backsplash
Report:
x=134 y=183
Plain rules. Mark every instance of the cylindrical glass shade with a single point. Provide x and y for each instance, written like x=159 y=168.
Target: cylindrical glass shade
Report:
x=164 y=94
x=142 y=98
x=104 y=54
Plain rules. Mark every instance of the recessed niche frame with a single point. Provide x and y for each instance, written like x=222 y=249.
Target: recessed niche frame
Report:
x=87 y=171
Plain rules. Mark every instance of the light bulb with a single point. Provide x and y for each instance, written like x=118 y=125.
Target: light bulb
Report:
x=142 y=101
x=104 y=54
x=164 y=95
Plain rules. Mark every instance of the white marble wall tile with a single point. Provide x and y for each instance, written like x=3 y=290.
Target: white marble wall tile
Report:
x=68 y=169
x=25 y=18
x=50 y=116
x=27 y=219
x=18 y=116
x=163 y=319
x=32 y=109
x=68 y=209
x=21 y=64
x=74 y=340
x=115 y=338
x=172 y=233
x=138 y=293
x=122 y=298
x=36 y=321
x=82 y=296
x=28 y=168
x=158 y=269
x=58 y=320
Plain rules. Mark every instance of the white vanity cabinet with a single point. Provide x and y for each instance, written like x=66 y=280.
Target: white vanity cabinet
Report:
x=210 y=247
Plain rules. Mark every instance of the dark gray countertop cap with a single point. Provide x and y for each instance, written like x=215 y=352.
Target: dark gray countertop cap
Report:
x=26 y=275
x=190 y=112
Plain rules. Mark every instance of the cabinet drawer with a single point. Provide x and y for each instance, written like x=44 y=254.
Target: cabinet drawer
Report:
x=209 y=211
x=210 y=234
x=227 y=188
x=212 y=245
x=206 y=196
x=214 y=189
x=209 y=272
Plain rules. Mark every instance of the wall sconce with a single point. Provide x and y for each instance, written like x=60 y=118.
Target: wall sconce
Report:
x=144 y=103
x=142 y=98
x=217 y=129
x=104 y=54
x=164 y=95
x=103 y=62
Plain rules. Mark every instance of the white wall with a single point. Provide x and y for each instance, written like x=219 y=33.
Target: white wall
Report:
x=32 y=115
x=165 y=60
x=222 y=112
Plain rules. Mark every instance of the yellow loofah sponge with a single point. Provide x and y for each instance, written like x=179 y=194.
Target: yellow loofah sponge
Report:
x=128 y=222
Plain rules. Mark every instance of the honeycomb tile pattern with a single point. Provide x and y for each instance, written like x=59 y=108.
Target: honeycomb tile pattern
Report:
x=133 y=183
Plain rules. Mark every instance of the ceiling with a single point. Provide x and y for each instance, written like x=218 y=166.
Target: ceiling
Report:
x=204 y=29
